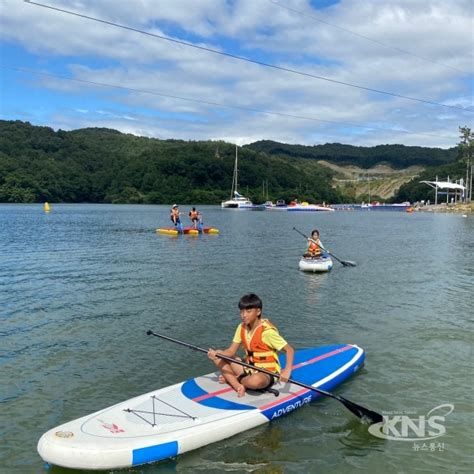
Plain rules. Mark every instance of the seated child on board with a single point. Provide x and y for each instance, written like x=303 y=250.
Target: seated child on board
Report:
x=315 y=247
x=261 y=342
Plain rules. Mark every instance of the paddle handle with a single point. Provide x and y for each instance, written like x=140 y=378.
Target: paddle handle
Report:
x=186 y=344
x=301 y=233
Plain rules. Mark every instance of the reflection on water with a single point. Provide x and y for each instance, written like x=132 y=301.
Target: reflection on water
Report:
x=313 y=283
x=80 y=286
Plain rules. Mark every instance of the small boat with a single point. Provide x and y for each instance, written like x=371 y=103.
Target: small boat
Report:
x=237 y=201
x=188 y=415
x=306 y=207
x=377 y=206
x=241 y=202
x=187 y=230
x=315 y=264
x=279 y=206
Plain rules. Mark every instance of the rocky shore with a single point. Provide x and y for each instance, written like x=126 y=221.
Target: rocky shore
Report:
x=458 y=208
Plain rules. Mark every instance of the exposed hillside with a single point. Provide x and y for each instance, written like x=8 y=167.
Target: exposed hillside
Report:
x=380 y=181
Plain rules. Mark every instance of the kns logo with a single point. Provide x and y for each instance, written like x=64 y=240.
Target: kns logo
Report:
x=402 y=427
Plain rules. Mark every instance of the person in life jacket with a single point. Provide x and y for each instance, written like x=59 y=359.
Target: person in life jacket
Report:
x=261 y=342
x=174 y=215
x=315 y=247
x=195 y=216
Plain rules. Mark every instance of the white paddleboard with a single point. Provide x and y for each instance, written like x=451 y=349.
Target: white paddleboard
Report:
x=172 y=420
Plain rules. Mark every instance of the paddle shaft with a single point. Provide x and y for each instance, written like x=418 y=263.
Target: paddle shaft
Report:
x=350 y=264
x=357 y=410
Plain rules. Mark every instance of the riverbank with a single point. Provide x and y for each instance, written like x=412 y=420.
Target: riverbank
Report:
x=458 y=208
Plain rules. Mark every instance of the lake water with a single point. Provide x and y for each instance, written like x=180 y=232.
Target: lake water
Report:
x=80 y=286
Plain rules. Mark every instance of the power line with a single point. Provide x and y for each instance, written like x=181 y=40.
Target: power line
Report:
x=218 y=104
x=366 y=37
x=242 y=58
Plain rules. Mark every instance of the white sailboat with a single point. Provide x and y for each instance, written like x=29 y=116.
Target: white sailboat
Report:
x=237 y=201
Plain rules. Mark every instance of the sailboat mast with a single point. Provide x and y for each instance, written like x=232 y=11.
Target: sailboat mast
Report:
x=236 y=168
x=234 y=185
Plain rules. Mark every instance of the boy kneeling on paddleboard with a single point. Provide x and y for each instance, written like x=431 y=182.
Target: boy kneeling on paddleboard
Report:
x=261 y=342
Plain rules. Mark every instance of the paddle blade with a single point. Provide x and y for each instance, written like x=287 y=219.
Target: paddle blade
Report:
x=348 y=263
x=367 y=416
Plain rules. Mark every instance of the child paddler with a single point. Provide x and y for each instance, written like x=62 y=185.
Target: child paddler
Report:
x=261 y=342
x=315 y=247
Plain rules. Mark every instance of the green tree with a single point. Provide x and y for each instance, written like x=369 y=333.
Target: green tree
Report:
x=466 y=149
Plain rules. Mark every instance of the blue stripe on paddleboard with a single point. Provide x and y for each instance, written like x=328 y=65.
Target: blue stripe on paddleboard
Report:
x=191 y=389
x=154 y=453
x=327 y=366
x=308 y=374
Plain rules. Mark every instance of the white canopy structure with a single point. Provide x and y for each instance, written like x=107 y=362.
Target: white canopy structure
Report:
x=450 y=187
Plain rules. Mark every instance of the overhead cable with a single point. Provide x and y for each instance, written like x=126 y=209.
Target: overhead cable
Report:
x=380 y=43
x=242 y=58
x=217 y=104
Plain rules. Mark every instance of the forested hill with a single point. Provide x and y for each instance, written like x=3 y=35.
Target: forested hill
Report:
x=102 y=165
x=397 y=156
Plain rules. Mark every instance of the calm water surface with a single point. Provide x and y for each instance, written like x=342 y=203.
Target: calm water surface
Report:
x=80 y=286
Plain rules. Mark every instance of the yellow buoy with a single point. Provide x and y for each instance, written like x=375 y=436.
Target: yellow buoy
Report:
x=46 y=207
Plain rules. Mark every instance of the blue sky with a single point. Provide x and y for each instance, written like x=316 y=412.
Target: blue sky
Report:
x=67 y=72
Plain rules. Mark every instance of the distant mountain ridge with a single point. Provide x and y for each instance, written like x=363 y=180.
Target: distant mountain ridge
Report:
x=397 y=156
x=98 y=165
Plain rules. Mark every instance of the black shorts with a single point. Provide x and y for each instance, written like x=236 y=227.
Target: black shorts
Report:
x=247 y=372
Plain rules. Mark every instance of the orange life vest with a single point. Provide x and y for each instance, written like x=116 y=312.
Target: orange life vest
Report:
x=313 y=247
x=258 y=353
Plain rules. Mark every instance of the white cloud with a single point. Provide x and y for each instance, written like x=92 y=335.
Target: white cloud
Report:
x=433 y=29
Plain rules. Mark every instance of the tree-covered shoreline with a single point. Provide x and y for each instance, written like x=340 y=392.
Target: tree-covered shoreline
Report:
x=106 y=166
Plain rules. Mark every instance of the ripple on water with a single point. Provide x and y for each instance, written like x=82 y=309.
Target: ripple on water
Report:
x=77 y=300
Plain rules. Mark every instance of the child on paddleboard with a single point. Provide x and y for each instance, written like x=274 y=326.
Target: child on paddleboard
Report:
x=315 y=247
x=261 y=342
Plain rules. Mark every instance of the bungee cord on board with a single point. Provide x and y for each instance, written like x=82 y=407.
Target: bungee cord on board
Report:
x=242 y=58
x=140 y=413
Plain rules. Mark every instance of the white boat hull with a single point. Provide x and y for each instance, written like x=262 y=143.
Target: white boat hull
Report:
x=322 y=264
x=243 y=205
x=309 y=208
